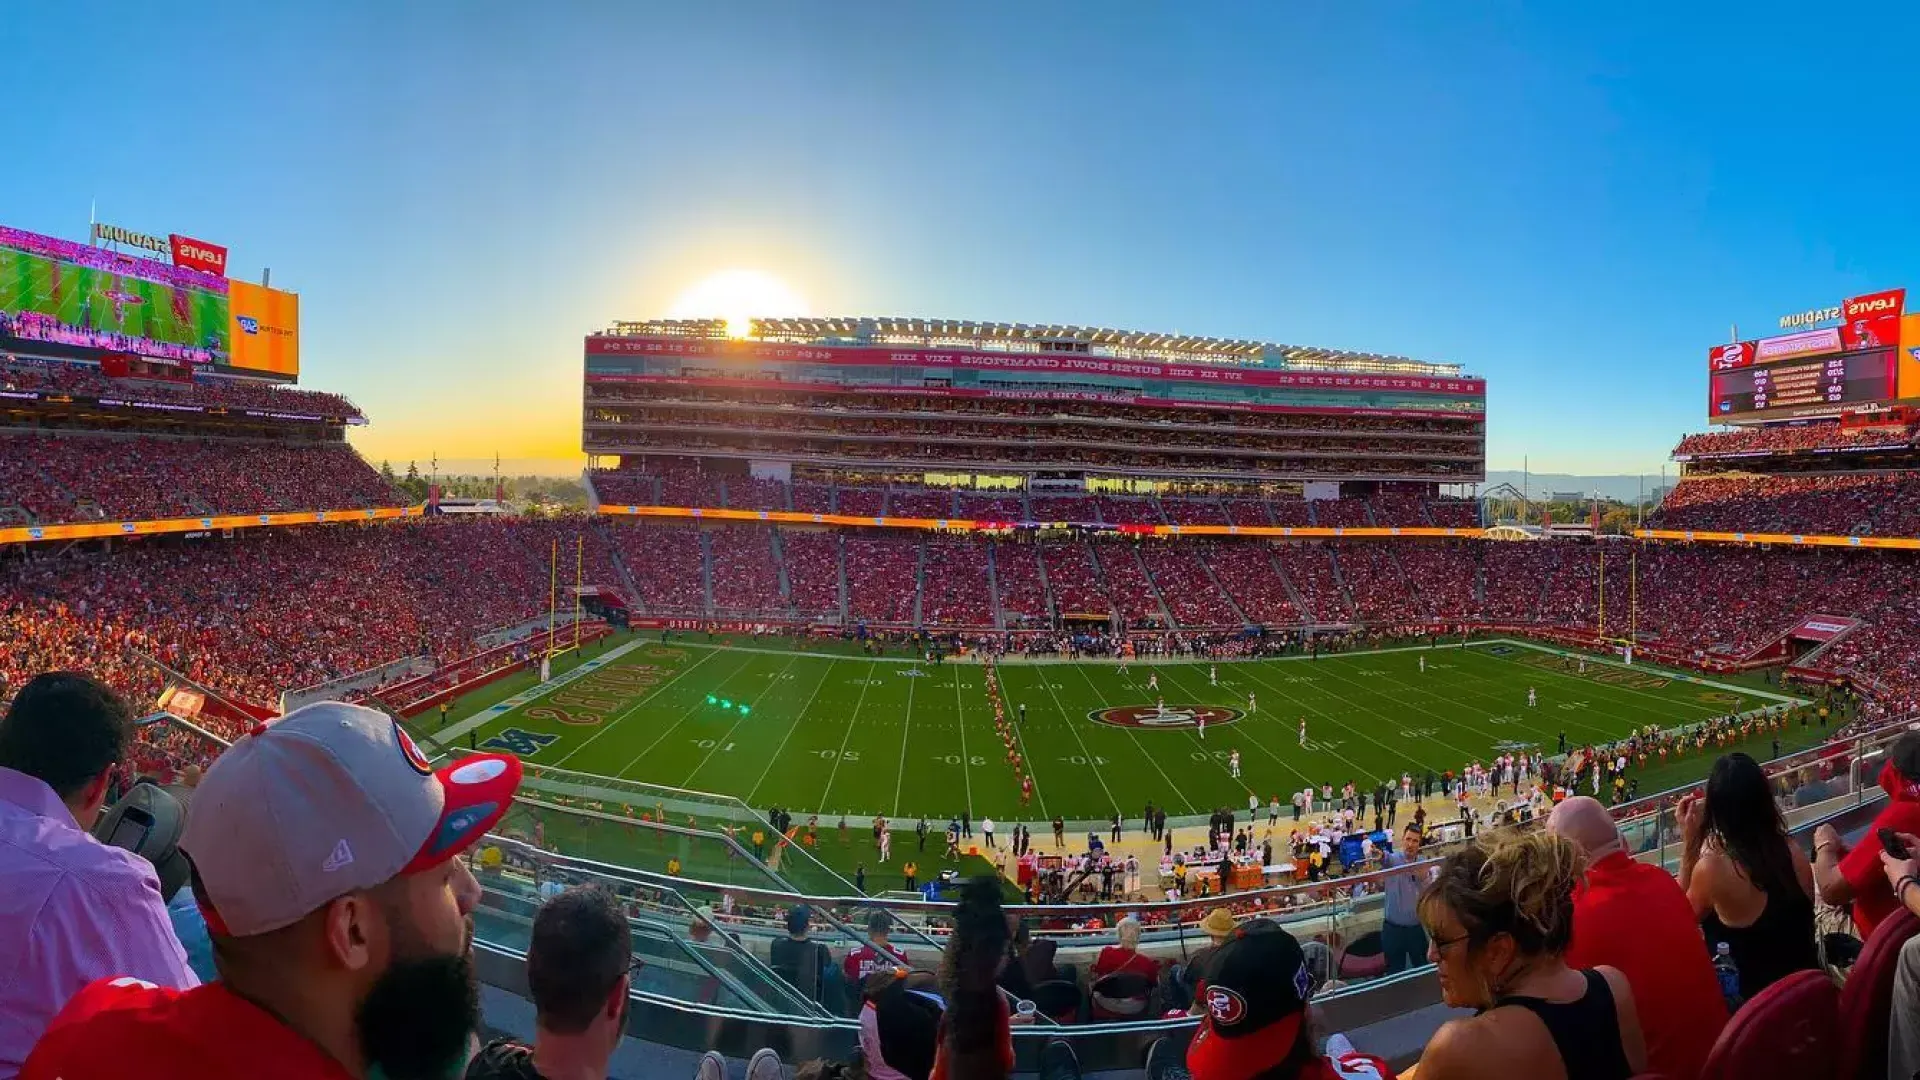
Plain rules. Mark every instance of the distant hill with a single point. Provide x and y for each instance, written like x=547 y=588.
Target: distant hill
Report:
x=1540 y=485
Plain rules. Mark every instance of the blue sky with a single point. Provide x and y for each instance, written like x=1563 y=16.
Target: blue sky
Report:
x=1571 y=200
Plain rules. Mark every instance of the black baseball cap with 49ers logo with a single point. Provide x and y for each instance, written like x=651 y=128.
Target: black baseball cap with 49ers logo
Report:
x=1255 y=1001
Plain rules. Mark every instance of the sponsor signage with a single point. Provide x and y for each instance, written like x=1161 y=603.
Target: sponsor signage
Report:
x=1823 y=628
x=185 y=251
x=1872 y=321
x=114 y=234
x=1889 y=301
x=198 y=255
x=1805 y=343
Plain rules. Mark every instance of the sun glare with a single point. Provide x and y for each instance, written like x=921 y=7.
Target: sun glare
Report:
x=739 y=297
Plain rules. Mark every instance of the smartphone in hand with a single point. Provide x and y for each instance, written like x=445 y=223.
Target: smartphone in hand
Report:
x=1890 y=843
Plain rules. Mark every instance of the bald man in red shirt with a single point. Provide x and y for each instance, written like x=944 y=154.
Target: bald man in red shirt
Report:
x=1634 y=917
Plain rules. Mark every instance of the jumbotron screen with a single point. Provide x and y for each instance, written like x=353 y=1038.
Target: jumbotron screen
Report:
x=61 y=292
x=1803 y=384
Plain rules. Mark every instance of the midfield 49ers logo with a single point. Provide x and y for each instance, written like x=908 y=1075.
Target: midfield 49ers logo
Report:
x=1173 y=716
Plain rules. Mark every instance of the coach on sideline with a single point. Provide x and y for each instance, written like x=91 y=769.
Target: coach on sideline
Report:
x=325 y=855
x=72 y=909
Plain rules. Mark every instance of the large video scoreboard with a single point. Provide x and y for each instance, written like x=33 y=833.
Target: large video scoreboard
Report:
x=1818 y=372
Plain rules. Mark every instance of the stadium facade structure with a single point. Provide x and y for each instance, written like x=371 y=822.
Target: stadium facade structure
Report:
x=1036 y=406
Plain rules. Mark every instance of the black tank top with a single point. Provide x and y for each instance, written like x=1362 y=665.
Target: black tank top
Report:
x=1775 y=945
x=1586 y=1032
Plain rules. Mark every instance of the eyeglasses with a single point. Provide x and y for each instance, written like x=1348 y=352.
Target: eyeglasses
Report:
x=1441 y=944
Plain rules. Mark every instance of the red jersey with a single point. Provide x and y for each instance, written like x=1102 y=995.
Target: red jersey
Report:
x=866 y=960
x=117 y=1026
x=1634 y=917
x=1873 y=897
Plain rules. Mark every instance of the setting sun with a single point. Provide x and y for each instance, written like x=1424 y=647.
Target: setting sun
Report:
x=738 y=296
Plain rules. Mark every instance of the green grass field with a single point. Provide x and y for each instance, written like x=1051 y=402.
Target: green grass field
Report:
x=82 y=296
x=833 y=734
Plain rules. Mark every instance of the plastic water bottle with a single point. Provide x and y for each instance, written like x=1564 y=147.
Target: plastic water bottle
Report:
x=1728 y=973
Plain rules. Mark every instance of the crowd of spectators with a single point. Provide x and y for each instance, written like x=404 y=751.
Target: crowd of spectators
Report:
x=1128 y=585
x=668 y=566
x=1023 y=596
x=1247 y=572
x=746 y=580
x=1309 y=567
x=1833 y=504
x=1377 y=584
x=882 y=577
x=66 y=478
x=1791 y=439
x=955 y=589
x=271 y=611
x=813 y=571
x=86 y=380
x=1187 y=585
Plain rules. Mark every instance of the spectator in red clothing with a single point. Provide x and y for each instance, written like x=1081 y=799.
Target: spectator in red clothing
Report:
x=1857 y=875
x=326 y=856
x=1499 y=919
x=1125 y=956
x=1632 y=916
x=879 y=956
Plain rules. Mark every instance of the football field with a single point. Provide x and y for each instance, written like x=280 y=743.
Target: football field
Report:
x=848 y=734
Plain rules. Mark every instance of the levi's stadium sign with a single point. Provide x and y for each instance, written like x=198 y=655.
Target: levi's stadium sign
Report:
x=185 y=251
x=114 y=234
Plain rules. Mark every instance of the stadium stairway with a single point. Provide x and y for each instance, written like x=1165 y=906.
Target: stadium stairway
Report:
x=1400 y=571
x=993 y=590
x=840 y=565
x=706 y=569
x=1159 y=601
x=919 y=581
x=780 y=568
x=619 y=562
x=1046 y=587
x=1340 y=577
x=1293 y=593
x=1232 y=604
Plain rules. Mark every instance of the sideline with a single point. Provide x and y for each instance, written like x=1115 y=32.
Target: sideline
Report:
x=1745 y=691
x=493 y=712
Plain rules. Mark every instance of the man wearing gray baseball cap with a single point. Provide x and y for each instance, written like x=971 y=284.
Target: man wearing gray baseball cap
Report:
x=324 y=850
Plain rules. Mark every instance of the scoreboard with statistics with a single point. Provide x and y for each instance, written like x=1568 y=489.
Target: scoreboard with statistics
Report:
x=1824 y=371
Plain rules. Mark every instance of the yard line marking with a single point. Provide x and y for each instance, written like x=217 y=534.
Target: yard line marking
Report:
x=735 y=726
x=1478 y=729
x=1728 y=687
x=848 y=737
x=1137 y=744
x=906 y=725
x=1071 y=726
x=1249 y=736
x=798 y=718
x=1323 y=714
x=629 y=711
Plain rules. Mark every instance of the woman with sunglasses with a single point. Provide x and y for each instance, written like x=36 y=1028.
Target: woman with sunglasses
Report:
x=1499 y=918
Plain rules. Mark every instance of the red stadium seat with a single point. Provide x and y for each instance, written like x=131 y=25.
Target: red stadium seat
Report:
x=1866 y=1001
x=1790 y=1029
